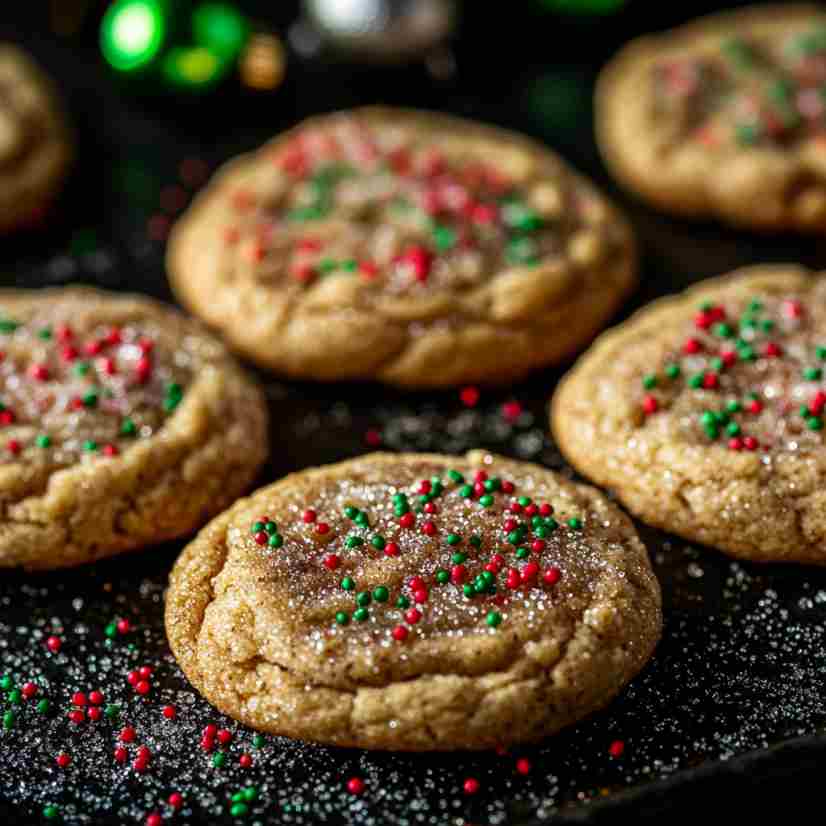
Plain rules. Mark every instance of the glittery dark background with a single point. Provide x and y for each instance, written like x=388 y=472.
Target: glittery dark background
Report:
x=729 y=711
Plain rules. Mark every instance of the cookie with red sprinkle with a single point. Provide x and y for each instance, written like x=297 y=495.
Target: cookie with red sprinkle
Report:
x=705 y=413
x=409 y=247
x=724 y=116
x=520 y=604
x=35 y=141
x=122 y=424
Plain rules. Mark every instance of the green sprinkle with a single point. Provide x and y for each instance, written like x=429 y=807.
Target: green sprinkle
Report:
x=813 y=374
x=820 y=352
x=442 y=576
x=327 y=265
x=468 y=590
x=363 y=599
x=455 y=476
x=755 y=305
x=402 y=602
x=42 y=706
x=360 y=614
x=696 y=380
x=458 y=558
x=271 y=528
x=672 y=370
x=90 y=399
x=275 y=541
x=724 y=330
x=348 y=583
x=466 y=491
x=43 y=441
x=8 y=326
x=128 y=428
x=81 y=368
x=493 y=619
x=515 y=537
x=444 y=237
x=219 y=759
x=6 y=682
x=257 y=527
x=378 y=542
x=766 y=325
x=45 y=333
x=746 y=353
x=112 y=710
x=814 y=423
x=8 y=720
x=521 y=251
x=353 y=541
x=476 y=541
x=733 y=429
x=15 y=697
x=733 y=406
x=437 y=488
x=747 y=134
x=521 y=553
x=111 y=630
x=342 y=617
x=50 y=812
x=453 y=539
x=238 y=809
x=349 y=265
x=350 y=512
x=90 y=446
x=381 y=594
x=649 y=381
x=575 y=522
x=486 y=501
x=362 y=519
x=712 y=431
x=542 y=532
x=258 y=740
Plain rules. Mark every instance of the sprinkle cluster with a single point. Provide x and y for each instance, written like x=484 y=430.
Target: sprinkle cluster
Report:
x=393 y=208
x=750 y=91
x=754 y=379
x=469 y=566
x=65 y=393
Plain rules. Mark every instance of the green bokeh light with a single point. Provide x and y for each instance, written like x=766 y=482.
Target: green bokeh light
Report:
x=132 y=33
x=192 y=66
x=221 y=28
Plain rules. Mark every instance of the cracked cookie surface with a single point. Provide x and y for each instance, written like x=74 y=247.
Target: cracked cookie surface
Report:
x=409 y=247
x=724 y=116
x=122 y=424
x=705 y=413
x=35 y=143
x=415 y=602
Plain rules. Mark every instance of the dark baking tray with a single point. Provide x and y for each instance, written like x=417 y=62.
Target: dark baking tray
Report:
x=730 y=712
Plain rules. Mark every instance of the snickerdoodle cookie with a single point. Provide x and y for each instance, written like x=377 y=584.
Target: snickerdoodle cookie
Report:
x=410 y=247
x=725 y=116
x=35 y=142
x=415 y=602
x=122 y=423
x=705 y=413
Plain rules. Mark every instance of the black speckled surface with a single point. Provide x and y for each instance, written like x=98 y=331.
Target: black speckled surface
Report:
x=731 y=709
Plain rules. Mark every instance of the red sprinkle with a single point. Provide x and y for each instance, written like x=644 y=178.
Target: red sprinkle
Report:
x=28 y=691
x=400 y=633
x=132 y=678
x=512 y=410
x=552 y=575
x=692 y=346
x=429 y=529
x=523 y=765
x=309 y=516
x=127 y=735
x=412 y=616
x=772 y=350
x=355 y=785
x=224 y=736
x=650 y=404
x=176 y=800
x=143 y=687
x=121 y=754
x=469 y=396
x=331 y=562
x=154 y=819
x=13 y=447
x=245 y=761
x=391 y=549
x=170 y=712
x=52 y=643
x=78 y=699
x=124 y=626
x=63 y=760
x=94 y=714
x=322 y=527
x=95 y=698
x=471 y=785
x=77 y=716
x=616 y=748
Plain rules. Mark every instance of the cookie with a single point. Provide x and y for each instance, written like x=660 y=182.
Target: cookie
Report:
x=35 y=143
x=413 y=248
x=724 y=117
x=415 y=602
x=705 y=414
x=122 y=424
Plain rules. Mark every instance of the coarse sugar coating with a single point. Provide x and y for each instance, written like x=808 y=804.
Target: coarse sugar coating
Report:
x=705 y=413
x=122 y=424
x=35 y=141
x=415 y=602
x=409 y=247
x=724 y=116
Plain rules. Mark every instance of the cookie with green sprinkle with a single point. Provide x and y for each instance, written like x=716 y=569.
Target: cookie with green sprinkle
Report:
x=724 y=117
x=474 y=620
x=122 y=424
x=408 y=247
x=705 y=413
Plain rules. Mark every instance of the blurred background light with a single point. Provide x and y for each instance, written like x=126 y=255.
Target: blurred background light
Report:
x=132 y=33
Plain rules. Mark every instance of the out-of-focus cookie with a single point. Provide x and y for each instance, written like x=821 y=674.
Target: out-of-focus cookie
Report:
x=122 y=424
x=705 y=413
x=409 y=247
x=415 y=602
x=725 y=116
x=35 y=143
